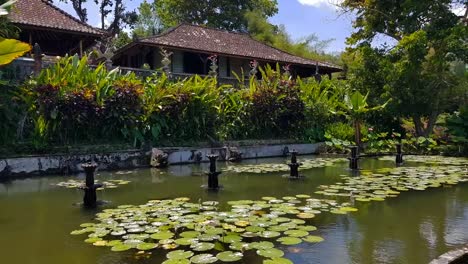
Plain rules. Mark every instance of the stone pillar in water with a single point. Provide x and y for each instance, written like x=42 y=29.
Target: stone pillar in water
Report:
x=90 y=198
x=353 y=160
x=399 y=155
x=294 y=165
x=213 y=183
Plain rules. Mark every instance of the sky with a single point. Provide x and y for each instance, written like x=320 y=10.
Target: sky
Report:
x=300 y=17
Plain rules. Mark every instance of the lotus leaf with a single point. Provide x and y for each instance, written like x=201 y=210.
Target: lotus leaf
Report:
x=179 y=254
x=177 y=261
x=229 y=256
x=270 y=253
x=230 y=239
x=261 y=245
x=146 y=246
x=162 y=235
x=296 y=233
x=289 y=240
x=203 y=258
x=121 y=247
x=277 y=261
x=202 y=246
x=312 y=239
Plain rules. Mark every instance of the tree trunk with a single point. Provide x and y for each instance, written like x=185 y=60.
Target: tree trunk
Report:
x=421 y=129
x=357 y=133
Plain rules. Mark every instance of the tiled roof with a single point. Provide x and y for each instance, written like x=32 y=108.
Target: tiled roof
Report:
x=209 y=40
x=40 y=13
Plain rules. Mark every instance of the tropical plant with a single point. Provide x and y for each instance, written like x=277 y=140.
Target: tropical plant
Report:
x=457 y=125
x=355 y=107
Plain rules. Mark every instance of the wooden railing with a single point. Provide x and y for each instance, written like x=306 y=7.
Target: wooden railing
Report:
x=23 y=68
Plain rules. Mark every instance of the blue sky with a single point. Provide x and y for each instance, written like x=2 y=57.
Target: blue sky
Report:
x=300 y=17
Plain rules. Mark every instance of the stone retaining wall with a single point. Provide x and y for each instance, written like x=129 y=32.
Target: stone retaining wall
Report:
x=69 y=164
x=458 y=256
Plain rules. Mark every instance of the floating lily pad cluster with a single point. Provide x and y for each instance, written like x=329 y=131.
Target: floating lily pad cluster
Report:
x=109 y=184
x=198 y=233
x=391 y=182
x=267 y=168
x=432 y=160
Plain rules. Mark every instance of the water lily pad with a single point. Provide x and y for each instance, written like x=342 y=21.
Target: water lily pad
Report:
x=203 y=259
x=307 y=228
x=270 y=234
x=289 y=240
x=92 y=240
x=270 y=253
x=261 y=245
x=202 y=246
x=185 y=241
x=179 y=254
x=190 y=234
x=313 y=239
x=121 y=247
x=177 y=261
x=230 y=239
x=162 y=235
x=296 y=233
x=277 y=261
x=239 y=246
x=229 y=256
x=146 y=246
x=305 y=215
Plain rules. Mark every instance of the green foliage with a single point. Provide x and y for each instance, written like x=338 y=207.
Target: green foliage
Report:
x=415 y=72
x=148 y=22
x=458 y=127
x=355 y=107
x=222 y=14
x=340 y=130
x=71 y=102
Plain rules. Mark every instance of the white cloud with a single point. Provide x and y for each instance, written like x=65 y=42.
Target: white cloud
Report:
x=321 y=3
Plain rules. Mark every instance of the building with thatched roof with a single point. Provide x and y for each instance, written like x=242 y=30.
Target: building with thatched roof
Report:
x=192 y=45
x=56 y=32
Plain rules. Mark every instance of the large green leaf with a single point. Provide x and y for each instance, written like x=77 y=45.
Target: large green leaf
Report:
x=11 y=49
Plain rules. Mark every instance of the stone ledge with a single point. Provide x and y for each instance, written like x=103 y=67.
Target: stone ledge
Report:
x=457 y=256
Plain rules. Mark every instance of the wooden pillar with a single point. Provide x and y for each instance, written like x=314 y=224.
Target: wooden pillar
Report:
x=329 y=75
x=81 y=48
x=30 y=43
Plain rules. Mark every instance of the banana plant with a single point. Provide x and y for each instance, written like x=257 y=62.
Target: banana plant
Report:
x=355 y=107
x=10 y=49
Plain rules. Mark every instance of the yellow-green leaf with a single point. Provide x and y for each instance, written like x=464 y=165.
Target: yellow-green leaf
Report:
x=11 y=49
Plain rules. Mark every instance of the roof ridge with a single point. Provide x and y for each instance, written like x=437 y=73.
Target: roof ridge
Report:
x=72 y=17
x=213 y=28
x=296 y=56
x=171 y=29
x=263 y=43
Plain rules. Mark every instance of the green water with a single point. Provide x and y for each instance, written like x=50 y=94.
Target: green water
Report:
x=36 y=217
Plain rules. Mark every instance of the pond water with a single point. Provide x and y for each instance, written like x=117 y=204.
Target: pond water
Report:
x=37 y=216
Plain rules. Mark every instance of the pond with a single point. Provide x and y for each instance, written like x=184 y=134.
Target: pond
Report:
x=37 y=216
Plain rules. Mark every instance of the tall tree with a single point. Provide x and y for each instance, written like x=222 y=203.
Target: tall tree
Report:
x=427 y=37
x=121 y=18
x=78 y=6
x=108 y=9
x=148 y=22
x=104 y=10
x=309 y=47
x=223 y=14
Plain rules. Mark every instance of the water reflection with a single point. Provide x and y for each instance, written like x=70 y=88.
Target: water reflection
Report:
x=413 y=228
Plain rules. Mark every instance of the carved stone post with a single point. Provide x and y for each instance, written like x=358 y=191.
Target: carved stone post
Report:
x=37 y=59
